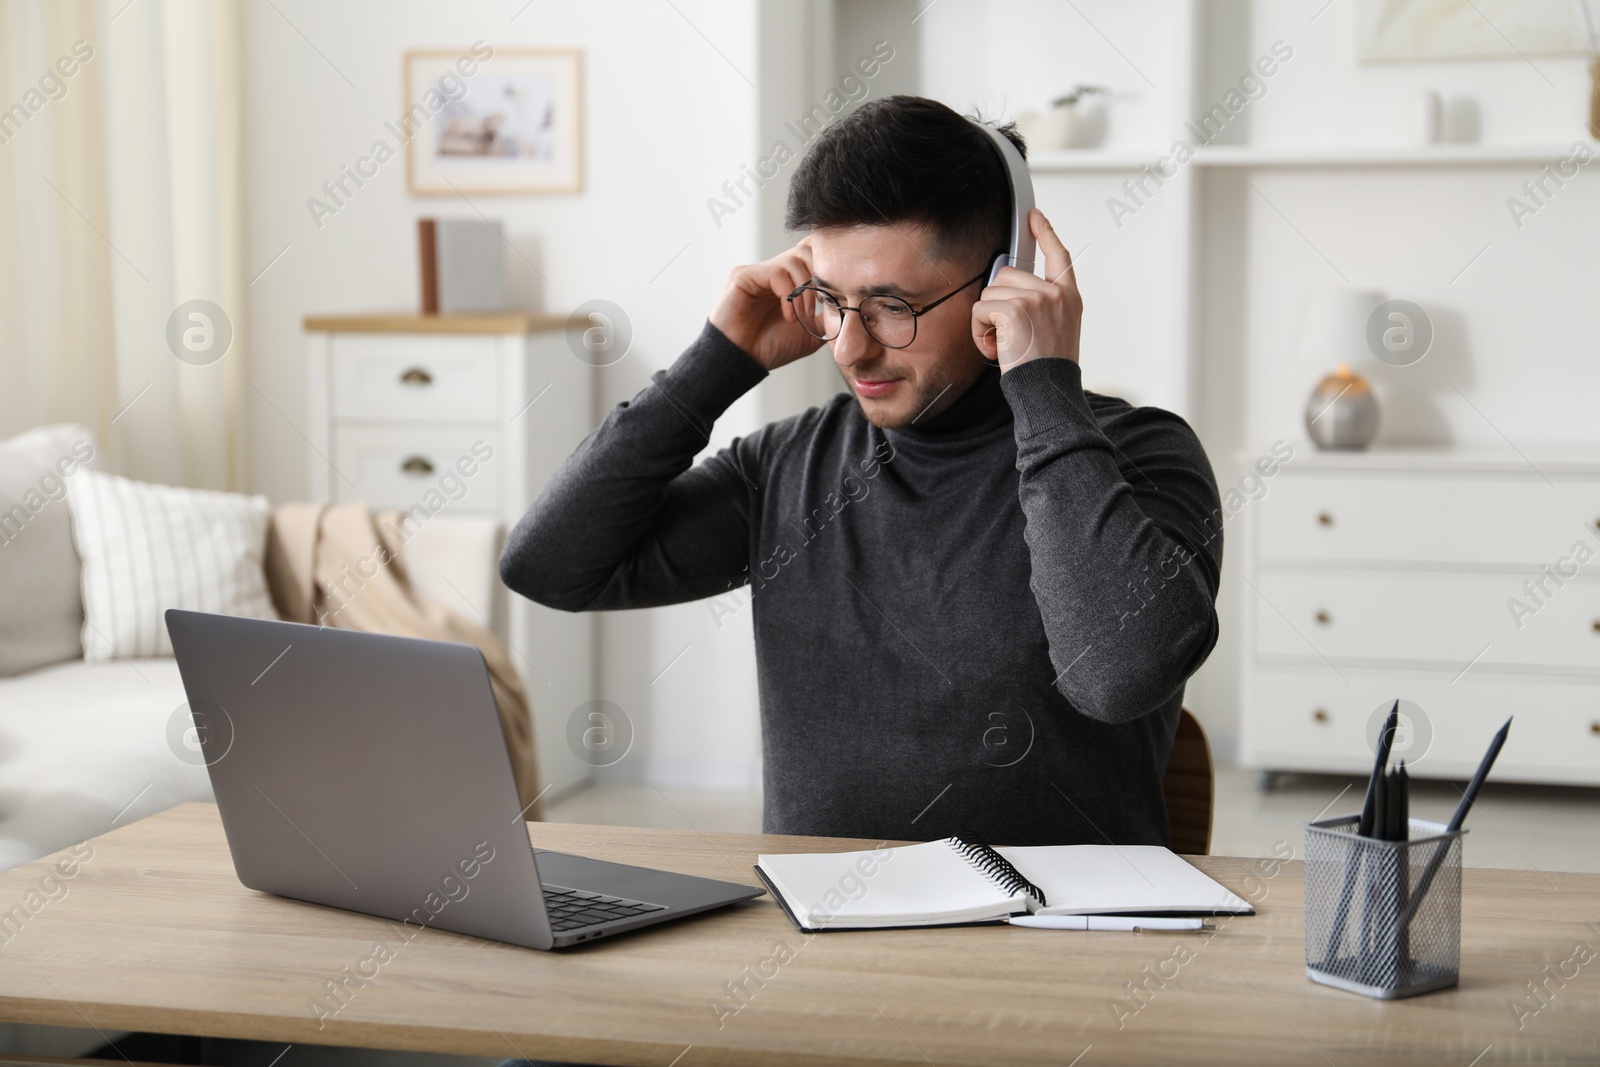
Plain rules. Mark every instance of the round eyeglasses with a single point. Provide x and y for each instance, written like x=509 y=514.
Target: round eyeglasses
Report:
x=888 y=320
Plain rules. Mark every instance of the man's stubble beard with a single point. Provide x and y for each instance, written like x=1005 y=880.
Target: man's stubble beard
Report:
x=924 y=394
x=930 y=400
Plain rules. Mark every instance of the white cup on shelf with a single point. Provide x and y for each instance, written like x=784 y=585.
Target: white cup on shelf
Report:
x=1427 y=117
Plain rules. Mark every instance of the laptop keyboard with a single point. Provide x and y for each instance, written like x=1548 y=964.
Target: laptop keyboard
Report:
x=572 y=908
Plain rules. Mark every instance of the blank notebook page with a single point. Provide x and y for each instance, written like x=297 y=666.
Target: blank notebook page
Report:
x=1099 y=879
x=930 y=882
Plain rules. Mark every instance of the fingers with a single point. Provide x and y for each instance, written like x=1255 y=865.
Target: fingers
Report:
x=782 y=281
x=1020 y=317
x=796 y=267
x=1019 y=280
x=1011 y=292
x=984 y=334
x=798 y=261
x=1002 y=329
x=777 y=277
x=1057 y=260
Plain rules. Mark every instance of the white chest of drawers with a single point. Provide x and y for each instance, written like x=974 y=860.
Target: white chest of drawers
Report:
x=463 y=414
x=1466 y=582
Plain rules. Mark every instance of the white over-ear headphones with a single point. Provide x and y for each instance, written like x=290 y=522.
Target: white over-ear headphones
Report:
x=1023 y=245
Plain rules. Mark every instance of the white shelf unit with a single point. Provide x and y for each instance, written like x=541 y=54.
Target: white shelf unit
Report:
x=398 y=400
x=1313 y=155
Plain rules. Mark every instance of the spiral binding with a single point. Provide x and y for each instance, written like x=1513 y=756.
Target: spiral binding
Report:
x=997 y=868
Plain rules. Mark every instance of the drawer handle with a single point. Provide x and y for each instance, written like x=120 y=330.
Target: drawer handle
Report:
x=1323 y=618
x=1320 y=715
x=1594 y=727
x=416 y=465
x=1324 y=519
x=416 y=376
x=1596 y=625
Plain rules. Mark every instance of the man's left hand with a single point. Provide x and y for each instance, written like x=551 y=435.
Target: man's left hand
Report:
x=1022 y=317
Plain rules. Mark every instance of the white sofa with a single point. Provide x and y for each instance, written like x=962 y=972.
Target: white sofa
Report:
x=88 y=747
x=83 y=749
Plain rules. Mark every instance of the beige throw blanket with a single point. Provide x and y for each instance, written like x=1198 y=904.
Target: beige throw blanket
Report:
x=312 y=550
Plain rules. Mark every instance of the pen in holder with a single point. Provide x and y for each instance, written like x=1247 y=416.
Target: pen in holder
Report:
x=1383 y=918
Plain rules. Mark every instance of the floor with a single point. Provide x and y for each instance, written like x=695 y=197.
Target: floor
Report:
x=1527 y=827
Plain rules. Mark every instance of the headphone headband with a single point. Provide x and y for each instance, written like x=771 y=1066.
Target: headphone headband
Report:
x=1023 y=246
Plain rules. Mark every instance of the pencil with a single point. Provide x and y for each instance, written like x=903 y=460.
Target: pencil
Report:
x=1363 y=828
x=1381 y=757
x=1477 y=779
x=1405 y=803
x=1426 y=881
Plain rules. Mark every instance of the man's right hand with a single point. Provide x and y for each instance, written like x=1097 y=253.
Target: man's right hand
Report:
x=754 y=314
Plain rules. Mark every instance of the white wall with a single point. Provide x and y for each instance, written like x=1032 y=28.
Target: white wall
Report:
x=1328 y=97
x=1004 y=56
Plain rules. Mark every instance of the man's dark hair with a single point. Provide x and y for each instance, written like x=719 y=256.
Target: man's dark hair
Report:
x=908 y=159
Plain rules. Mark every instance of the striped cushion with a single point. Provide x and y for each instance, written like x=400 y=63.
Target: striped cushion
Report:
x=146 y=548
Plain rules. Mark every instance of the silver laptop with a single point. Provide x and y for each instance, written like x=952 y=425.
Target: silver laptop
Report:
x=369 y=772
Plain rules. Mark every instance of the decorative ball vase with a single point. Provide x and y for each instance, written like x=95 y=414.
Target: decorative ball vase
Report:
x=1341 y=412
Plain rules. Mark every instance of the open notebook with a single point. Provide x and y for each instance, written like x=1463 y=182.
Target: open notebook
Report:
x=958 y=881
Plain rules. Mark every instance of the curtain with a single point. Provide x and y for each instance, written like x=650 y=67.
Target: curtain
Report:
x=121 y=201
x=55 y=299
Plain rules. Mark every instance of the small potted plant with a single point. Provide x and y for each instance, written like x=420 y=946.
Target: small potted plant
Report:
x=1075 y=120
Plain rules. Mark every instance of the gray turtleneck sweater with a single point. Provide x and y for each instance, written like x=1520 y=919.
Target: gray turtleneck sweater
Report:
x=980 y=625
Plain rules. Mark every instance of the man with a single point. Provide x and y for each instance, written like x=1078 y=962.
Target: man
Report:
x=977 y=590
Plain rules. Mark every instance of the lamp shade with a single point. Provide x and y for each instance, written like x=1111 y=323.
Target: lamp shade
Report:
x=1333 y=325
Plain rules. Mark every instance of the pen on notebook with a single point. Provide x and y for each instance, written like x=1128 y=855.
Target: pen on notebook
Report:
x=1125 y=923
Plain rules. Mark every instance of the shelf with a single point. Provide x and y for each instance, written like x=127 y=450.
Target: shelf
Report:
x=1384 y=155
x=1354 y=155
x=1090 y=159
x=408 y=322
x=1577 y=458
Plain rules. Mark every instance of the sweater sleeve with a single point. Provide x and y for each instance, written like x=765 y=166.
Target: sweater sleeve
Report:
x=627 y=522
x=1123 y=526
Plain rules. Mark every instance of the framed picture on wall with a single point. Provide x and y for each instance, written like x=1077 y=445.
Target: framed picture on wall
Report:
x=1411 y=31
x=514 y=125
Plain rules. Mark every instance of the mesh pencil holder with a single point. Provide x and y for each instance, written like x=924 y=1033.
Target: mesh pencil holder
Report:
x=1383 y=918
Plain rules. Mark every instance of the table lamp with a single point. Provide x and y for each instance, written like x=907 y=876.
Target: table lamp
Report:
x=1342 y=412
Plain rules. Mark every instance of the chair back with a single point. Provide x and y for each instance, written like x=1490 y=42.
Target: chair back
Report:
x=1188 y=787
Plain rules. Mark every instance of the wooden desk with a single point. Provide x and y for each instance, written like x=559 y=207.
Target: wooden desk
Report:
x=155 y=933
